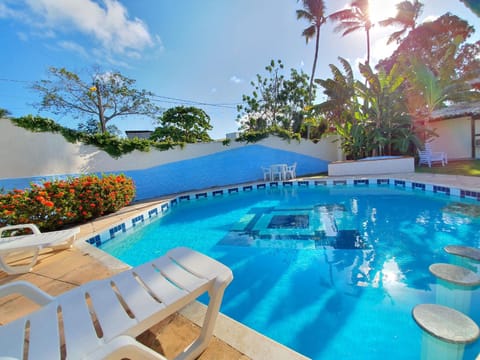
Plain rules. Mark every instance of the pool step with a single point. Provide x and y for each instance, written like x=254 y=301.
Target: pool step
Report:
x=242 y=224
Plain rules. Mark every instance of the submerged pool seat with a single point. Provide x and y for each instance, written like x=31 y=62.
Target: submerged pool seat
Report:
x=31 y=244
x=124 y=306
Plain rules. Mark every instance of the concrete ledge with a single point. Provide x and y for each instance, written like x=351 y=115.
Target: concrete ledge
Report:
x=370 y=166
x=242 y=338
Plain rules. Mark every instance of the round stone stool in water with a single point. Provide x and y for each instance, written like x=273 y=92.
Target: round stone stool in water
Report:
x=455 y=285
x=445 y=331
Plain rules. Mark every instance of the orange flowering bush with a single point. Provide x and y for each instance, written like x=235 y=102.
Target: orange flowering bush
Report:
x=55 y=204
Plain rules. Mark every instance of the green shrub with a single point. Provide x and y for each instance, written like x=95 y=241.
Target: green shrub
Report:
x=59 y=203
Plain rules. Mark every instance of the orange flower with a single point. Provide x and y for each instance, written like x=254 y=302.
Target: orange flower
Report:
x=48 y=203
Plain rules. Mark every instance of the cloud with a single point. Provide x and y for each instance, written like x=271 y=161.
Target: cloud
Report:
x=236 y=79
x=107 y=22
x=74 y=47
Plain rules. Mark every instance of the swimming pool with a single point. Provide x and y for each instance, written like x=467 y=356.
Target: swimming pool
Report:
x=332 y=272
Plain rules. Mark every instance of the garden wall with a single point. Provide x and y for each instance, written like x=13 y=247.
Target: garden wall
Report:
x=28 y=156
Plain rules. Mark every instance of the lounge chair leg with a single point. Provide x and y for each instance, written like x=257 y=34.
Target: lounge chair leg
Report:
x=22 y=269
x=201 y=343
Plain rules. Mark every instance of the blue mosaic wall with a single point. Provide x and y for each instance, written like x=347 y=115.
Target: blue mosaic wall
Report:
x=220 y=169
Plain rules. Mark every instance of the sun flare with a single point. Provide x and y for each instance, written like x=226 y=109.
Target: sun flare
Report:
x=382 y=9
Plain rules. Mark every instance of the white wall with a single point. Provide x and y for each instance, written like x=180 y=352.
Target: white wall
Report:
x=27 y=154
x=454 y=137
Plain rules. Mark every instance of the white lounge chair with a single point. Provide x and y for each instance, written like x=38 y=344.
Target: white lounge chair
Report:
x=32 y=244
x=428 y=156
x=100 y=319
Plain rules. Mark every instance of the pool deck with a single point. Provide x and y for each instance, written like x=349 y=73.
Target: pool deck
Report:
x=57 y=272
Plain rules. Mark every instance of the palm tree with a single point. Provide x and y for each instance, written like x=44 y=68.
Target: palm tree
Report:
x=354 y=18
x=313 y=11
x=406 y=17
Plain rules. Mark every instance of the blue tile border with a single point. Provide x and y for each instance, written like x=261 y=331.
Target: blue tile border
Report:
x=152 y=213
x=200 y=195
x=183 y=198
x=360 y=182
x=163 y=207
x=137 y=219
x=416 y=185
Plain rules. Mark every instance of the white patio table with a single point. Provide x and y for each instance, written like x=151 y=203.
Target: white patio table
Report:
x=278 y=171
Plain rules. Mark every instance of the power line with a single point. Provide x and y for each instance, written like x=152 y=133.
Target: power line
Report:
x=192 y=102
x=160 y=98
x=15 y=81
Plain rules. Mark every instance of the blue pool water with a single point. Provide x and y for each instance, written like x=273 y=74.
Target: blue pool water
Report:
x=332 y=272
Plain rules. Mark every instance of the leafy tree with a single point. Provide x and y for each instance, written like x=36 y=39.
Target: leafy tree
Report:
x=93 y=127
x=406 y=17
x=4 y=113
x=183 y=124
x=388 y=120
x=276 y=102
x=341 y=109
x=370 y=118
x=105 y=96
x=263 y=108
x=440 y=45
x=341 y=102
x=473 y=5
x=314 y=12
x=354 y=18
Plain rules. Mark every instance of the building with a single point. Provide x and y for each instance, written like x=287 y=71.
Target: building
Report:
x=141 y=134
x=458 y=130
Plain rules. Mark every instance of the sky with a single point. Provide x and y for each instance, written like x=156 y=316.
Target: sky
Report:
x=189 y=52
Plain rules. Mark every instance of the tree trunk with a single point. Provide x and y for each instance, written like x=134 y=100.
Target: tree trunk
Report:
x=368 y=46
x=315 y=58
x=101 y=116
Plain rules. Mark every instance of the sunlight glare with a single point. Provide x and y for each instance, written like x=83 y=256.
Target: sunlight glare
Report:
x=382 y=9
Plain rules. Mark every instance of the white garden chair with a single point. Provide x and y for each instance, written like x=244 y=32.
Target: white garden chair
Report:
x=427 y=156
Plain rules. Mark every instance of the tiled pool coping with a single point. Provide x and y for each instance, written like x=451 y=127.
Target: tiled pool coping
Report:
x=164 y=206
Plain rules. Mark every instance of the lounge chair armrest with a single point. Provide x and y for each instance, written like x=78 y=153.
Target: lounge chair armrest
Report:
x=32 y=227
x=28 y=290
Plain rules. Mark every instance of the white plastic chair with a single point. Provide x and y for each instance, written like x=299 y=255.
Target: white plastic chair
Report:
x=291 y=171
x=31 y=244
x=122 y=306
x=267 y=173
x=428 y=156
